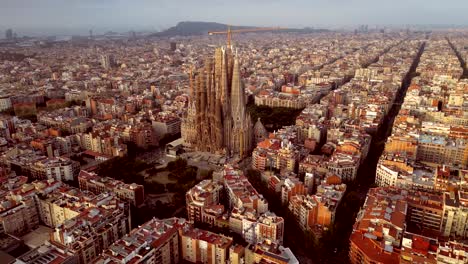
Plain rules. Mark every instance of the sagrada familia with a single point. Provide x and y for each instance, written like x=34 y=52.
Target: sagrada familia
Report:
x=217 y=120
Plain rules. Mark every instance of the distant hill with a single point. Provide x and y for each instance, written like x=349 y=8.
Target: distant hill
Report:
x=190 y=28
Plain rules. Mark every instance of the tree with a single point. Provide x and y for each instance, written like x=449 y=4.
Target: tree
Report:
x=123 y=168
x=273 y=118
x=178 y=164
x=154 y=187
x=8 y=111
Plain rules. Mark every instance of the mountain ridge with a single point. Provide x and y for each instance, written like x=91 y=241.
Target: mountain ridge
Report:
x=194 y=28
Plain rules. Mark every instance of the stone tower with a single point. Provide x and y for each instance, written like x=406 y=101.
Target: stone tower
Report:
x=217 y=120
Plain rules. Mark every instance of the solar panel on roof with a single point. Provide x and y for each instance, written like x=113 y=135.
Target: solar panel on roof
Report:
x=389 y=248
x=387 y=216
x=371 y=236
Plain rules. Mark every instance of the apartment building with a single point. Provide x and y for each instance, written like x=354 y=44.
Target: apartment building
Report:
x=418 y=249
x=240 y=193
x=455 y=214
x=93 y=230
x=442 y=150
x=290 y=188
x=166 y=123
x=379 y=228
x=47 y=254
x=273 y=99
x=424 y=211
x=156 y=241
x=5 y=103
x=205 y=194
x=452 y=252
x=20 y=213
x=268 y=252
x=275 y=153
x=344 y=165
x=269 y=227
x=103 y=143
x=132 y=193
x=425 y=216
x=84 y=223
x=305 y=210
x=59 y=168
x=318 y=210
x=200 y=246
x=255 y=228
x=18 y=217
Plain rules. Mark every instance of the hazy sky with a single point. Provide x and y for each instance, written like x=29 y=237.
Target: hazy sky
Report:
x=80 y=15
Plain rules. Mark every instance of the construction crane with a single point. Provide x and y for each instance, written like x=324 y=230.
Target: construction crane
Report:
x=230 y=31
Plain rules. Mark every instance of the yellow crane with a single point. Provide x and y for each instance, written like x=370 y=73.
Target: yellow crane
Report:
x=230 y=31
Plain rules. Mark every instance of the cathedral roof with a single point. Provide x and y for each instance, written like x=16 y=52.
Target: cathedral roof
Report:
x=259 y=129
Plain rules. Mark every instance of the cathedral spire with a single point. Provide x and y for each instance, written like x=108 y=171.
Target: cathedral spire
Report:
x=224 y=82
x=191 y=93
x=217 y=120
x=237 y=92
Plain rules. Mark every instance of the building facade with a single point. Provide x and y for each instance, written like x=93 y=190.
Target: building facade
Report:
x=132 y=193
x=217 y=120
x=156 y=241
x=204 y=194
x=61 y=169
x=200 y=246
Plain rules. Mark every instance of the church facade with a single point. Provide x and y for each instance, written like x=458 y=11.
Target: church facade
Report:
x=217 y=120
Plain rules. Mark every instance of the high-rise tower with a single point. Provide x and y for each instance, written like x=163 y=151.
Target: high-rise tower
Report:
x=217 y=120
x=9 y=34
x=107 y=61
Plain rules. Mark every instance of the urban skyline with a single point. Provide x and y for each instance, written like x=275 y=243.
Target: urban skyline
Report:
x=51 y=17
x=218 y=144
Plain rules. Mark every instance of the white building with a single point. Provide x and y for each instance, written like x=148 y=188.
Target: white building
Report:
x=343 y=165
x=5 y=103
x=60 y=169
x=455 y=221
x=386 y=175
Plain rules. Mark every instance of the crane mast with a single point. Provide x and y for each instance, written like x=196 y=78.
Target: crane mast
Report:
x=229 y=32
